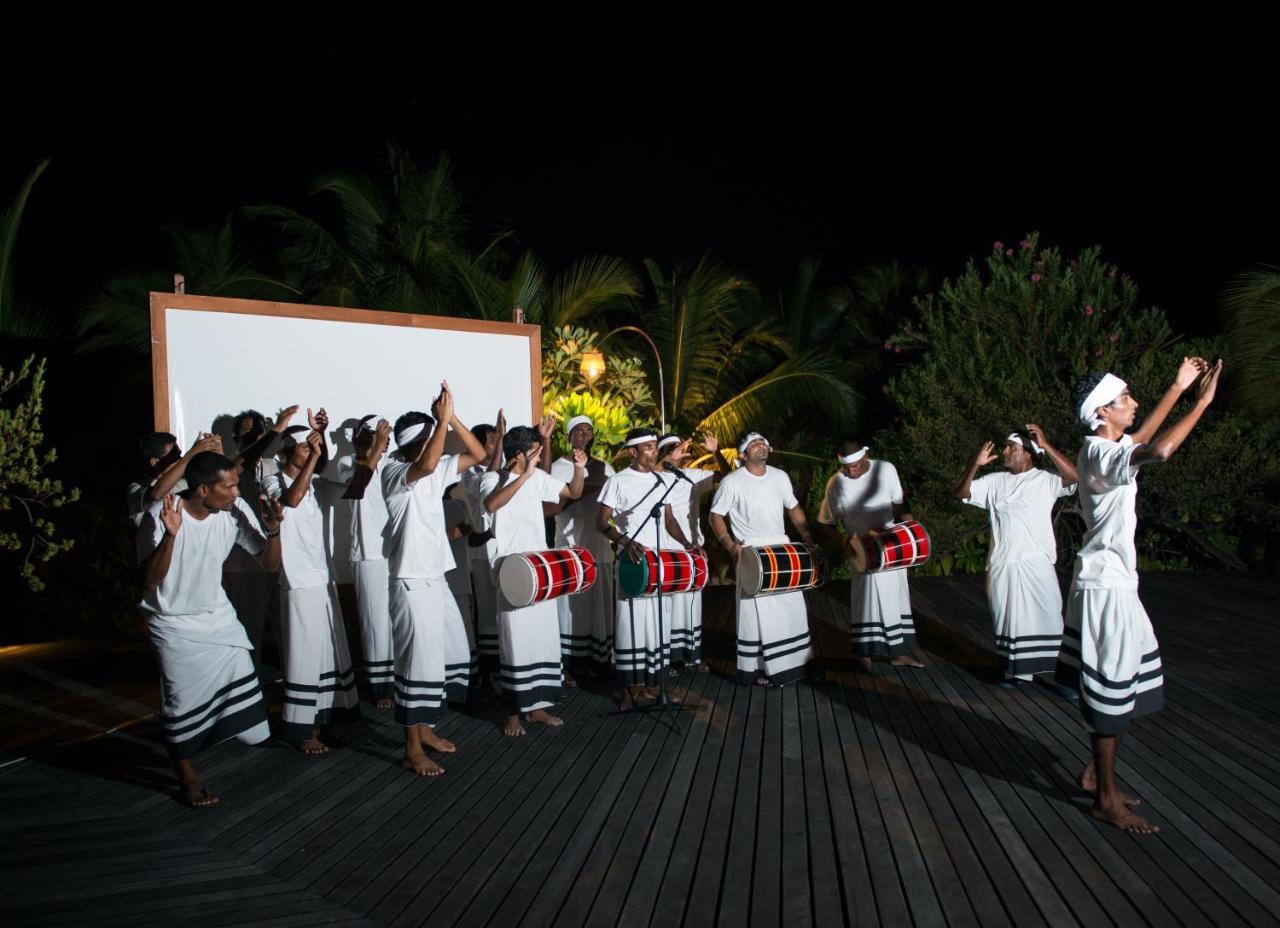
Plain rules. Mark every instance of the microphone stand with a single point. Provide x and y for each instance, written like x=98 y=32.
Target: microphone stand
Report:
x=663 y=704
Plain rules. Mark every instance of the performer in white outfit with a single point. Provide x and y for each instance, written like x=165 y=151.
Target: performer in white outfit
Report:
x=164 y=465
x=209 y=687
x=319 y=681
x=480 y=549
x=686 y=505
x=1109 y=649
x=1022 y=586
x=458 y=530
x=642 y=643
x=432 y=654
x=362 y=474
x=529 y=636
x=586 y=620
x=774 y=647
x=866 y=494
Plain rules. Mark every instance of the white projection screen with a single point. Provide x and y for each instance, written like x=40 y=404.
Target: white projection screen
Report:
x=213 y=357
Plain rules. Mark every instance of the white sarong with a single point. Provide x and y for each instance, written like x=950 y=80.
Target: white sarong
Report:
x=686 y=626
x=587 y=622
x=530 y=674
x=1026 y=615
x=880 y=614
x=319 y=682
x=433 y=658
x=773 y=637
x=375 y=626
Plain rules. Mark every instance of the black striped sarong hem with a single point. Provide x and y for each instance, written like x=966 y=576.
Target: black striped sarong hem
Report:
x=213 y=712
x=527 y=699
x=228 y=726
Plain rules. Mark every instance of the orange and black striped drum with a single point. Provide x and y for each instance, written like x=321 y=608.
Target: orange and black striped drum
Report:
x=780 y=569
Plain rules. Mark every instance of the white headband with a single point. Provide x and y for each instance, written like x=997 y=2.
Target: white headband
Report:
x=749 y=438
x=1017 y=440
x=577 y=421
x=641 y=439
x=290 y=439
x=410 y=433
x=1107 y=390
x=853 y=458
x=669 y=440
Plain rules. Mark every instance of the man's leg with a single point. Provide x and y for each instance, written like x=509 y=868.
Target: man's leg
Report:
x=1109 y=805
x=192 y=791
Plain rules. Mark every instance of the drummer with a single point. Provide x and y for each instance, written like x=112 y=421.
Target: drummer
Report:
x=529 y=669
x=642 y=644
x=865 y=494
x=774 y=647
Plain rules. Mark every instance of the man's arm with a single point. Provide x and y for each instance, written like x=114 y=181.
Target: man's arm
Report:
x=169 y=478
x=319 y=423
x=712 y=444
x=161 y=558
x=502 y=495
x=674 y=528
x=720 y=529
x=573 y=489
x=604 y=522
x=546 y=428
x=986 y=454
x=364 y=468
x=272 y=516
x=1188 y=371
x=297 y=491
x=1066 y=467
x=797 y=517
x=251 y=455
x=1170 y=441
x=473 y=451
x=431 y=450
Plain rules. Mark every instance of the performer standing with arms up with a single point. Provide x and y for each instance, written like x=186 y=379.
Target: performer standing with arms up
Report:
x=1022 y=586
x=774 y=647
x=433 y=656
x=1109 y=649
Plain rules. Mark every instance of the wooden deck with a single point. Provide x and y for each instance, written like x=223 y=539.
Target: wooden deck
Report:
x=926 y=798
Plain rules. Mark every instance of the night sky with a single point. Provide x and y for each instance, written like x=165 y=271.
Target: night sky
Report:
x=762 y=143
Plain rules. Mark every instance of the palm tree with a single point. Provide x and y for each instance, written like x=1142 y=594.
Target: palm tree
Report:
x=1252 y=306
x=19 y=319
x=589 y=288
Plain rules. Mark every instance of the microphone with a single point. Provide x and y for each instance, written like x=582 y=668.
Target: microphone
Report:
x=671 y=468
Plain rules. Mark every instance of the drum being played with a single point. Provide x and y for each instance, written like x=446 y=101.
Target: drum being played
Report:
x=903 y=545
x=680 y=571
x=535 y=576
x=781 y=568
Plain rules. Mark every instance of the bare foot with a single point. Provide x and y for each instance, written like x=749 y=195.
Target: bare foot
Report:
x=763 y=680
x=543 y=717
x=1120 y=816
x=196 y=795
x=865 y=664
x=1088 y=782
x=421 y=764
x=627 y=701
x=513 y=726
x=435 y=742
x=905 y=660
x=569 y=680
x=313 y=746
x=702 y=667
x=384 y=704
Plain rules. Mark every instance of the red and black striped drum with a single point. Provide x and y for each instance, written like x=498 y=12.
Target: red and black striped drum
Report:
x=681 y=572
x=906 y=544
x=781 y=568
x=536 y=576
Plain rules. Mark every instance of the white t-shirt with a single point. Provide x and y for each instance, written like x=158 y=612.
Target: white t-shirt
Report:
x=416 y=544
x=686 y=501
x=1108 y=559
x=1021 y=511
x=519 y=526
x=631 y=495
x=368 y=515
x=756 y=506
x=578 y=523
x=251 y=482
x=303 y=562
x=479 y=520
x=193 y=585
x=860 y=504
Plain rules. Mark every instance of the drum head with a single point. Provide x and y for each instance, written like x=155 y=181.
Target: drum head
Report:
x=517 y=581
x=859 y=553
x=633 y=578
x=750 y=571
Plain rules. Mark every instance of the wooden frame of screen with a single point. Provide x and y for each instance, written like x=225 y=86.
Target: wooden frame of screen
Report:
x=159 y=345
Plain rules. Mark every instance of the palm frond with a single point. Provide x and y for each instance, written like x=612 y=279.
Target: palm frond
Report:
x=1251 y=304
x=117 y=316
x=590 y=287
x=17 y=319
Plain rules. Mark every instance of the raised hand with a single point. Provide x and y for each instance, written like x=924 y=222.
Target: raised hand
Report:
x=284 y=417
x=1037 y=435
x=710 y=442
x=272 y=513
x=1209 y=384
x=207 y=442
x=171 y=513
x=986 y=454
x=314 y=443
x=579 y=457
x=442 y=408
x=1189 y=370
x=382 y=437
x=317 y=421
x=500 y=424
x=547 y=426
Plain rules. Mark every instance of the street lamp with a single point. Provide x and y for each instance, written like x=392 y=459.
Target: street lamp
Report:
x=592 y=366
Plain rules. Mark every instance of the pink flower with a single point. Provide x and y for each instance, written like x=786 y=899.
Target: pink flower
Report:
x=897 y=350
x=1075 y=263
x=1035 y=277
x=1111 y=274
x=998 y=246
x=1039 y=264
x=888 y=346
x=1008 y=253
x=1088 y=310
x=1024 y=244
x=885 y=389
x=1115 y=335
x=1098 y=353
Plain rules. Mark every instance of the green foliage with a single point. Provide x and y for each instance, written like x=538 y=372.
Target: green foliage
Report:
x=1001 y=346
x=1252 y=307
x=26 y=492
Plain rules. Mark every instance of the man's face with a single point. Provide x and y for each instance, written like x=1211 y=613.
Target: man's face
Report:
x=858 y=467
x=757 y=452
x=582 y=437
x=298 y=454
x=1121 y=411
x=220 y=495
x=1016 y=458
x=645 y=456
